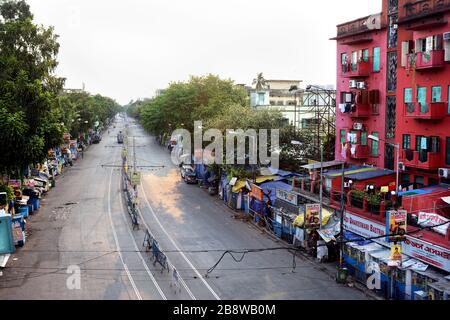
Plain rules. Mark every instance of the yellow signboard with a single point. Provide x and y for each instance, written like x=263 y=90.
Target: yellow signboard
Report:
x=136 y=178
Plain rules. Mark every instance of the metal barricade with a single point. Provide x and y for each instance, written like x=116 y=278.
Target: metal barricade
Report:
x=175 y=281
x=159 y=257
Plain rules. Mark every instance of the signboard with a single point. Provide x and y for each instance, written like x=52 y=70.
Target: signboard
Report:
x=312 y=216
x=257 y=193
x=396 y=224
x=289 y=197
x=429 y=253
x=365 y=228
x=433 y=219
x=136 y=178
x=396 y=252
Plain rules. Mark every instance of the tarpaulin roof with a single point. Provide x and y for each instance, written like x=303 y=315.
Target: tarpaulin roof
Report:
x=282 y=173
x=240 y=184
x=423 y=191
x=273 y=186
x=317 y=165
x=360 y=173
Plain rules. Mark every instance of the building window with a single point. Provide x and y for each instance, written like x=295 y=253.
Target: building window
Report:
x=354 y=61
x=272 y=103
x=353 y=137
x=419 y=181
x=447 y=152
x=344 y=58
x=407 y=96
x=374 y=143
x=422 y=99
x=433 y=182
x=365 y=55
x=376 y=59
x=407 y=142
x=343 y=136
x=436 y=94
x=448 y=96
x=406 y=179
x=261 y=98
x=364 y=138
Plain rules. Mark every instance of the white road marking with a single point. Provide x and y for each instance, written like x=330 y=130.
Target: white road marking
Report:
x=136 y=291
x=178 y=248
x=139 y=253
x=173 y=266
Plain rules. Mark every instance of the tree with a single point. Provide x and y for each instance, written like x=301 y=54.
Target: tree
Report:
x=260 y=83
x=28 y=88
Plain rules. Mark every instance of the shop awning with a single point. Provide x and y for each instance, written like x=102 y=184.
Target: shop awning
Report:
x=240 y=184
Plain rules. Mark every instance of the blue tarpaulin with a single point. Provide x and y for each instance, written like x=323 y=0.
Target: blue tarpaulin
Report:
x=272 y=187
x=350 y=236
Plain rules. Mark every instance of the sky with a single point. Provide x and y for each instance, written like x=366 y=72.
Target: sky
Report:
x=127 y=50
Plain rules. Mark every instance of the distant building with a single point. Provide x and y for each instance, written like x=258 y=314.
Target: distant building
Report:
x=300 y=108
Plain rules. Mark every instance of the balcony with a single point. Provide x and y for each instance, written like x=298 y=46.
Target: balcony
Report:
x=430 y=111
x=357 y=110
x=427 y=161
x=419 y=9
x=427 y=60
x=359 y=152
x=359 y=70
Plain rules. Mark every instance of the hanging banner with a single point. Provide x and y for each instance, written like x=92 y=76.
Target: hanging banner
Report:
x=396 y=224
x=312 y=216
x=257 y=193
x=289 y=197
x=436 y=256
x=433 y=219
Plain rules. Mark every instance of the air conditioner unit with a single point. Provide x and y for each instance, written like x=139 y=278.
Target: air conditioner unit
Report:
x=346 y=185
x=358 y=126
x=361 y=85
x=447 y=36
x=401 y=166
x=353 y=84
x=444 y=173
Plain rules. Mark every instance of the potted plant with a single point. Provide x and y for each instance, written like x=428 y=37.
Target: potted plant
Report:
x=357 y=198
x=4 y=188
x=374 y=202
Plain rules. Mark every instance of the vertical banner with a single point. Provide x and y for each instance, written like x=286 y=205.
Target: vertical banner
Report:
x=312 y=216
x=396 y=225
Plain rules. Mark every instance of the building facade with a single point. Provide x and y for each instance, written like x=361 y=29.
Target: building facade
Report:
x=423 y=111
x=364 y=97
x=300 y=108
x=393 y=82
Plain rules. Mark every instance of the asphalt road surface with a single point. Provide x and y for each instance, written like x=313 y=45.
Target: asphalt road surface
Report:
x=83 y=228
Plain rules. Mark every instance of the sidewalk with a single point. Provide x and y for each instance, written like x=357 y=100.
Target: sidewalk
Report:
x=328 y=268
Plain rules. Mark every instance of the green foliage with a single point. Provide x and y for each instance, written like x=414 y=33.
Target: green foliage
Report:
x=28 y=87
x=77 y=108
x=358 y=194
x=9 y=191
x=199 y=99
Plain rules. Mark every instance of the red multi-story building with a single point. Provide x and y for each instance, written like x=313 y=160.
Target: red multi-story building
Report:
x=365 y=92
x=423 y=93
x=393 y=82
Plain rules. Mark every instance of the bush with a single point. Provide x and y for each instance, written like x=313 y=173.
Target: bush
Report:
x=9 y=191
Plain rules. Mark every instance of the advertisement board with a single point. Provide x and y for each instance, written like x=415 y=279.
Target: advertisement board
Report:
x=429 y=253
x=365 y=228
x=396 y=225
x=289 y=197
x=312 y=216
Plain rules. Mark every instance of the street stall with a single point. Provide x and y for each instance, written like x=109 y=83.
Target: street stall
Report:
x=6 y=235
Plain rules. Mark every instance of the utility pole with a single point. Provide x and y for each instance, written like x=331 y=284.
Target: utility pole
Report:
x=341 y=259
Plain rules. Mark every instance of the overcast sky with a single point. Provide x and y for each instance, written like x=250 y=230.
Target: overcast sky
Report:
x=128 y=49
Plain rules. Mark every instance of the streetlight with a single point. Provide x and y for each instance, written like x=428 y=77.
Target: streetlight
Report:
x=397 y=146
x=298 y=143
